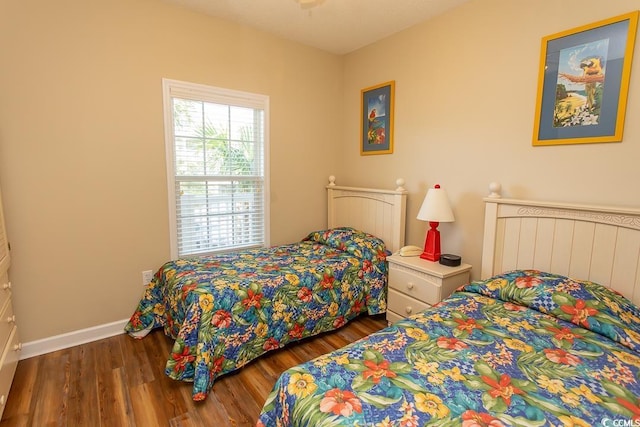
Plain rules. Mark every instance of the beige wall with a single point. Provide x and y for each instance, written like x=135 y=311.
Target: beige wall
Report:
x=82 y=149
x=82 y=162
x=465 y=99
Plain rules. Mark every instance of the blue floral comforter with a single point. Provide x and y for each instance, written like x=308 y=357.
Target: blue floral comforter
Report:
x=525 y=348
x=225 y=310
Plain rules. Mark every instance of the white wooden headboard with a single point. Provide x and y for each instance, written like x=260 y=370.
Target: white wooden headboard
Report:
x=596 y=243
x=375 y=211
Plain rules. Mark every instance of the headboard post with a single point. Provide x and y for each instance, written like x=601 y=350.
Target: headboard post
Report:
x=490 y=222
x=400 y=215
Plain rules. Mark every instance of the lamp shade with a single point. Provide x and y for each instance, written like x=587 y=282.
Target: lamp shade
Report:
x=436 y=207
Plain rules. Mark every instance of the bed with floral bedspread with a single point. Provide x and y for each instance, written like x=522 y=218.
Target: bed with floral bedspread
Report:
x=525 y=348
x=225 y=310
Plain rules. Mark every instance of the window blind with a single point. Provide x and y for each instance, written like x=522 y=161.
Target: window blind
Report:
x=217 y=148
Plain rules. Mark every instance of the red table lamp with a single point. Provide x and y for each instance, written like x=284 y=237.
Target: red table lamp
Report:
x=435 y=209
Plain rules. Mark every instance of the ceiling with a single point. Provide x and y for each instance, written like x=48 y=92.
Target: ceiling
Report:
x=336 y=26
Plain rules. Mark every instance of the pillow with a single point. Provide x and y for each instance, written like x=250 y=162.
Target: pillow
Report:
x=581 y=302
x=358 y=243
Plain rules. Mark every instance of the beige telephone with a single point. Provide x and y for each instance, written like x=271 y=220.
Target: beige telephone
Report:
x=410 y=251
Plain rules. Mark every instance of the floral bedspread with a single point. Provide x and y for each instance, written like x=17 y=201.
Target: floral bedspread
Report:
x=525 y=348
x=225 y=310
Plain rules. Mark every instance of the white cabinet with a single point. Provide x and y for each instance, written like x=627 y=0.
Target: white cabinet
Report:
x=416 y=284
x=9 y=341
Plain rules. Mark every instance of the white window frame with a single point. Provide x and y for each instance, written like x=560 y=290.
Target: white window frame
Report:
x=199 y=92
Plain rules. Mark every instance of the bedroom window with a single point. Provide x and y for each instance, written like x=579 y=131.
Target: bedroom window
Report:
x=216 y=140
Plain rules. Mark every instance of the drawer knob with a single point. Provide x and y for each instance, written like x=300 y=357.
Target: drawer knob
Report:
x=409 y=309
x=6 y=286
x=17 y=347
x=3 y=400
x=11 y=319
x=410 y=285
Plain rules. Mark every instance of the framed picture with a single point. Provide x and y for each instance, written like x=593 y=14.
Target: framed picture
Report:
x=583 y=83
x=376 y=128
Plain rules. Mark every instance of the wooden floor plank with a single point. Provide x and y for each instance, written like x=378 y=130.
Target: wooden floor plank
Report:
x=188 y=419
x=114 y=399
x=144 y=406
x=120 y=381
x=83 y=385
x=51 y=391
x=241 y=410
x=255 y=384
x=211 y=412
x=136 y=361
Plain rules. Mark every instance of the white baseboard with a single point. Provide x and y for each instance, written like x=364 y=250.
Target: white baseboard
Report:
x=71 y=339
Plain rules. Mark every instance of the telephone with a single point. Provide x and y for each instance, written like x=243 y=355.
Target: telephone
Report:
x=410 y=251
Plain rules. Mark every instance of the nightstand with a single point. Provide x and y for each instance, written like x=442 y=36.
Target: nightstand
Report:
x=416 y=284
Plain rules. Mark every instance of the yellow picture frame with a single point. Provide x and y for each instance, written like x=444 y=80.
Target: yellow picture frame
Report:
x=376 y=118
x=583 y=82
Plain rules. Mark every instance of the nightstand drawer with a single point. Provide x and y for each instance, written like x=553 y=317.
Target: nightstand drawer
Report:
x=403 y=304
x=416 y=284
x=403 y=280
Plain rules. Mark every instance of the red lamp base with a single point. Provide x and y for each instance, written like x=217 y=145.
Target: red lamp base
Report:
x=432 y=243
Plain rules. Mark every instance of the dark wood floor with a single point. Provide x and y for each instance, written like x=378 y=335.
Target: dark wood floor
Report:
x=120 y=381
